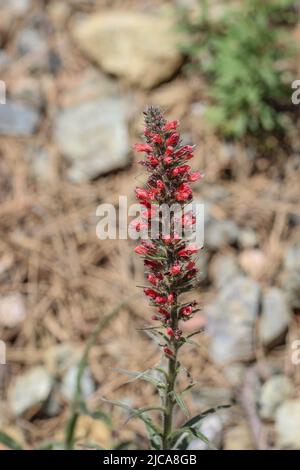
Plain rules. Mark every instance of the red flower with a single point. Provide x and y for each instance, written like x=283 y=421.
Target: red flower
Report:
x=171 y=125
x=169 y=151
x=195 y=176
x=143 y=148
x=170 y=332
x=181 y=169
x=153 y=161
x=141 y=250
x=164 y=312
x=187 y=149
x=189 y=250
x=171 y=298
x=188 y=219
x=168 y=160
x=173 y=139
x=156 y=138
x=168 y=351
x=150 y=292
x=175 y=269
x=145 y=194
x=183 y=193
x=161 y=300
x=151 y=278
x=160 y=184
x=190 y=265
x=186 y=311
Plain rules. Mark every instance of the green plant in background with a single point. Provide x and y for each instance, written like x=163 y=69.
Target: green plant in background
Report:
x=244 y=56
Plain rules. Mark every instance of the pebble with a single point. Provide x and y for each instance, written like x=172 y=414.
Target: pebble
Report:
x=220 y=233
x=127 y=44
x=30 y=389
x=275 y=317
x=93 y=137
x=273 y=392
x=17 y=119
x=68 y=384
x=12 y=310
x=288 y=425
x=232 y=319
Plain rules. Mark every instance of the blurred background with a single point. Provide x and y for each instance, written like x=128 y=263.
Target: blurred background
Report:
x=78 y=74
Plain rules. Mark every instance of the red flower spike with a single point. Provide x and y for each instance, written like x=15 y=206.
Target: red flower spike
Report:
x=169 y=179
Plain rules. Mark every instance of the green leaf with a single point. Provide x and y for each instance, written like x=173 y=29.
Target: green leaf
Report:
x=98 y=415
x=195 y=420
x=9 y=441
x=181 y=403
x=142 y=375
x=136 y=413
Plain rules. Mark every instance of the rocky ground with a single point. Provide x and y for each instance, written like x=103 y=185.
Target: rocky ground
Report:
x=78 y=75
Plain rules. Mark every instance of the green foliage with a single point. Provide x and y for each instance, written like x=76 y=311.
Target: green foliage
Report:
x=9 y=441
x=244 y=56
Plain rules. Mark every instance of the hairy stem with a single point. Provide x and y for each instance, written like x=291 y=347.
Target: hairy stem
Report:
x=169 y=401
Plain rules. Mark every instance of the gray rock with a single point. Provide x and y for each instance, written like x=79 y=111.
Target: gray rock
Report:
x=276 y=316
x=292 y=258
x=69 y=383
x=290 y=282
x=212 y=428
x=224 y=269
x=17 y=119
x=29 y=389
x=290 y=278
x=273 y=393
x=93 y=136
x=219 y=233
x=231 y=321
x=30 y=41
x=288 y=425
x=140 y=48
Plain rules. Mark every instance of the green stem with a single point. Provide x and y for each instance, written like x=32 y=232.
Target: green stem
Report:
x=169 y=403
x=169 y=400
